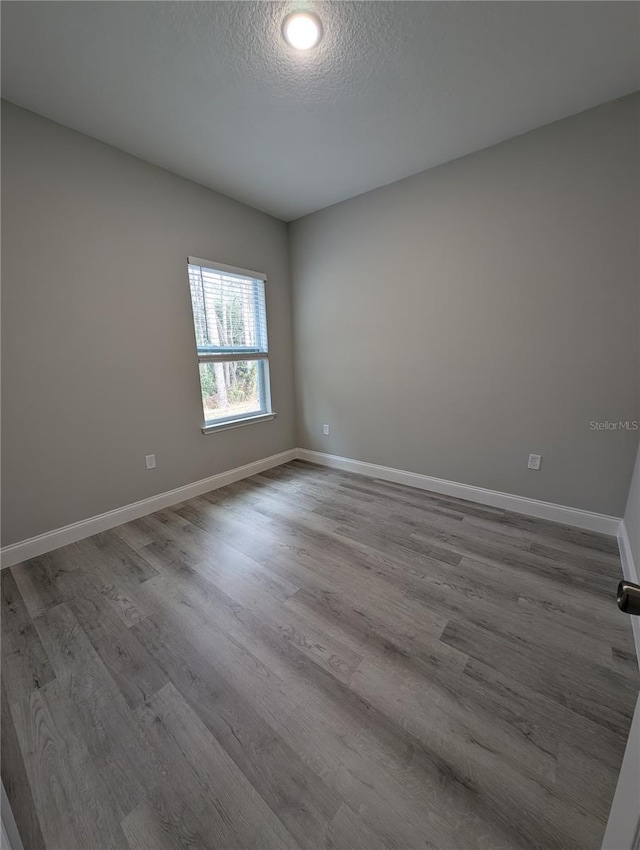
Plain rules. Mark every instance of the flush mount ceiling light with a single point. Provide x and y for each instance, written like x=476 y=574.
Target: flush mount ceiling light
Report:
x=302 y=30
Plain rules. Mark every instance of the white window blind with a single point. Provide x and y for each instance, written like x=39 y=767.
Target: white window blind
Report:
x=230 y=322
x=229 y=314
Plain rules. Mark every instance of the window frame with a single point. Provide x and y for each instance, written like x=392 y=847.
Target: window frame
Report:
x=226 y=354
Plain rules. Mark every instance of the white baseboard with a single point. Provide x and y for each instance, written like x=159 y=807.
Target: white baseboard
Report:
x=34 y=546
x=518 y=504
x=630 y=573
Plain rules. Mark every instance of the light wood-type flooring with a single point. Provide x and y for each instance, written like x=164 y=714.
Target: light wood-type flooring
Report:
x=311 y=659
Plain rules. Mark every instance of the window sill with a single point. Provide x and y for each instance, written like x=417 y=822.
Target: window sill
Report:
x=214 y=427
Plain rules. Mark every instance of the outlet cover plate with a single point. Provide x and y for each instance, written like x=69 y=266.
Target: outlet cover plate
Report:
x=534 y=461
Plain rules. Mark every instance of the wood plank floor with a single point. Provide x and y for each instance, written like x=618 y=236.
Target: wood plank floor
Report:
x=310 y=659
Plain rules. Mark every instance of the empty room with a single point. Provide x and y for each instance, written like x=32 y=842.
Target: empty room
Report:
x=320 y=425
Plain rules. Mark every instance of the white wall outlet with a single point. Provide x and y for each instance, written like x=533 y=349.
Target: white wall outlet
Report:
x=325 y=430
x=535 y=461
x=150 y=461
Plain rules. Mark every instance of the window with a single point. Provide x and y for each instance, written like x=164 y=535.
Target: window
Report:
x=230 y=319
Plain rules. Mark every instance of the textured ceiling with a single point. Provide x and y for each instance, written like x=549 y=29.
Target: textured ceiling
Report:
x=211 y=91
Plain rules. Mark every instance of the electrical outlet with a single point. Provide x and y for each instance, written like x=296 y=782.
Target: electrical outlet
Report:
x=535 y=461
x=150 y=461
x=325 y=430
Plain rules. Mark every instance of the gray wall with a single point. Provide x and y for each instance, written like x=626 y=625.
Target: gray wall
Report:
x=98 y=358
x=453 y=322
x=448 y=324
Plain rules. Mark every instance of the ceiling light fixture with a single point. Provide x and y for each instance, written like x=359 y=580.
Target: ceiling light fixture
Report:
x=302 y=30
